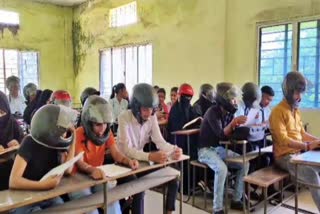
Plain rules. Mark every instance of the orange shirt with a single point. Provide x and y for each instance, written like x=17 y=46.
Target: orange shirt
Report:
x=93 y=154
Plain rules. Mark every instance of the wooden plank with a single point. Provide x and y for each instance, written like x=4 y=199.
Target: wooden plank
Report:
x=94 y=201
x=311 y=158
x=186 y=132
x=239 y=159
x=198 y=164
x=11 y=199
x=266 y=177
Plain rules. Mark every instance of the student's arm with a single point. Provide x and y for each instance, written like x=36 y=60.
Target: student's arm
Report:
x=124 y=140
x=120 y=158
x=17 y=181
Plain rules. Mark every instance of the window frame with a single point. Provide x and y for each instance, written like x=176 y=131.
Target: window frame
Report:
x=295 y=42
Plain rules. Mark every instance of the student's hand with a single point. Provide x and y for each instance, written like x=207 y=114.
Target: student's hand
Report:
x=13 y=143
x=134 y=164
x=52 y=181
x=97 y=174
x=177 y=153
x=314 y=145
x=1 y=148
x=239 y=120
x=158 y=157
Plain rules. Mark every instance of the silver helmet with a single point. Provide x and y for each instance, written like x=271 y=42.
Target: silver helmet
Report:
x=251 y=94
x=226 y=92
x=96 y=110
x=29 y=90
x=143 y=95
x=207 y=91
x=88 y=92
x=294 y=81
x=50 y=123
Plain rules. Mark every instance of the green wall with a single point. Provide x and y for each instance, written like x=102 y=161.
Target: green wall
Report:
x=47 y=29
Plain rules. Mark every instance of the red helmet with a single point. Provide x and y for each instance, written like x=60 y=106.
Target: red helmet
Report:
x=61 y=97
x=186 y=89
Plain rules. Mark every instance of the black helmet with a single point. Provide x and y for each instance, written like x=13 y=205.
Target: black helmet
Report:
x=96 y=110
x=49 y=124
x=143 y=95
x=226 y=92
x=251 y=94
x=294 y=81
x=207 y=91
x=88 y=92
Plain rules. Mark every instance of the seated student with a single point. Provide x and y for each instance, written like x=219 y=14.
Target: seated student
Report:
x=43 y=100
x=205 y=101
x=94 y=137
x=32 y=96
x=61 y=97
x=16 y=100
x=44 y=149
x=137 y=126
x=162 y=110
x=218 y=125
x=288 y=135
x=118 y=102
x=173 y=97
x=266 y=100
x=10 y=135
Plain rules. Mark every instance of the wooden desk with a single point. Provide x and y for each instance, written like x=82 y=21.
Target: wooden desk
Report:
x=11 y=199
x=188 y=133
x=311 y=158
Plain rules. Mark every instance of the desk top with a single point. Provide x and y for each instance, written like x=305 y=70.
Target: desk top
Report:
x=11 y=199
x=186 y=132
x=311 y=158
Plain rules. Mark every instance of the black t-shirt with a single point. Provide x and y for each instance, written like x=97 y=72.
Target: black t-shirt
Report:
x=40 y=159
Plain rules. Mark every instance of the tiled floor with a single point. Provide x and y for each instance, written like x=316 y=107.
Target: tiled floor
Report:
x=153 y=205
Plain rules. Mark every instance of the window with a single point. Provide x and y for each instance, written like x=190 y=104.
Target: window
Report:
x=18 y=63
x=9 y=18
x=129 y=65
x=123 y=15
x=287 y=47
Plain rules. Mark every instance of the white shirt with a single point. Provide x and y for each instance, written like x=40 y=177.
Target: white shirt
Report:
x=117 y=107
x=132 y=136
x=17 y=104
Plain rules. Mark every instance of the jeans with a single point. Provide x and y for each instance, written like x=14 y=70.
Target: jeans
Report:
x=39 y=206
x=307 y=174
x=214 y=157
x=113 y=208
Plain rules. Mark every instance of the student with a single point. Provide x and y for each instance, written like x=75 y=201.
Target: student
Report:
x=162 y=110
x=84 y=96
x=137 y=127
x=288 y=135
x=118 y=102
x=43 y=100
x=44 y=149
x=173 y=97
x=218 y=125
x=94 y=137
x=266 y=100
x=32 y=96
x=16 y=100
x=205 y=101
x=61 y=97
x=10 y=135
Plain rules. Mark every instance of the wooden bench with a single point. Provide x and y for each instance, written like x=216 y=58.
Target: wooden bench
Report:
x=94 y=201
x=264 y=178
x=196 y=164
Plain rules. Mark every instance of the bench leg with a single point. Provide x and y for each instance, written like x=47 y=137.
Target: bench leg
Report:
x=205 y=192
x=181 y=186
x=193 y=185
x=105 y=197
x=297 y=189
x=281 y=191
x=226 y=195
x=164 y=198
x=248 y=193
x=265 y=201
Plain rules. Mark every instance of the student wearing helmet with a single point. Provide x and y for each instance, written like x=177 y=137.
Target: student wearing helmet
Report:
x=218 y=125
x=87 y=92
x=16 y=100
x=32 y=96
x=94 y=137
x=206 y=99
x=139 y=126
x=61 y=97
x=44 y=149
x=288 y=135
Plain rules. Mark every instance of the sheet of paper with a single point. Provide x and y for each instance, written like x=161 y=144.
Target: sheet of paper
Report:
x=113 y=170
x=251 y=117
x=59 y=170
x=191 y=122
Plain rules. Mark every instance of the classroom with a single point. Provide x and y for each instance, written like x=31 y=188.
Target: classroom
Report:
x=159 y=106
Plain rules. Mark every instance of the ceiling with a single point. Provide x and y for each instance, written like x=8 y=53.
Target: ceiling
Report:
x=62 y=2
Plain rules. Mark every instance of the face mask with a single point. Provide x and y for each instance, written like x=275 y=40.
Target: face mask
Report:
x=185 y=100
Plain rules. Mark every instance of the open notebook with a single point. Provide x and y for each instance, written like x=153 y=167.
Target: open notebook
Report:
x=113 y=170
x=59 y=170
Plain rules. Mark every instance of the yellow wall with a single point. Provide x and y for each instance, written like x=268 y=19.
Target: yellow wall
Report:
x=47 y=29
x=241 y=38
x=187 y=37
